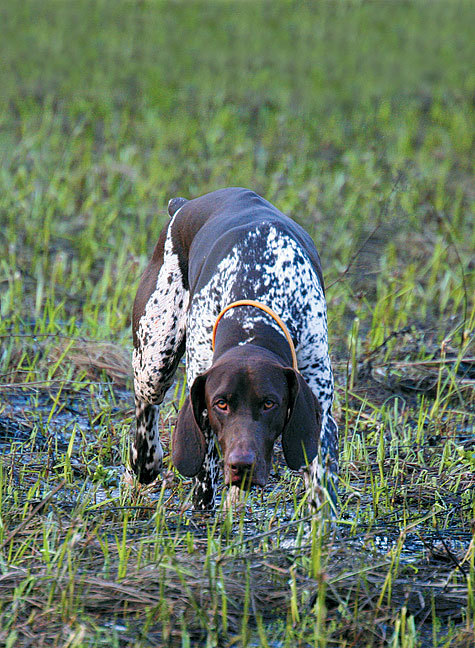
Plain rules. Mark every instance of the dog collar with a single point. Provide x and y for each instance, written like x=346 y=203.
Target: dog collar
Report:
x=266 y=309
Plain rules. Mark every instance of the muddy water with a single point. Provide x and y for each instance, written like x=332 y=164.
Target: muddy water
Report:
x=42 y=421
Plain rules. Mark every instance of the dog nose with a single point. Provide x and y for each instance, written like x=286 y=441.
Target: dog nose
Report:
x=241 y=462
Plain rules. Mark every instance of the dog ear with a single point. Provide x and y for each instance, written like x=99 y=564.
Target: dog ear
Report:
x=188 y=440
x=301 y=433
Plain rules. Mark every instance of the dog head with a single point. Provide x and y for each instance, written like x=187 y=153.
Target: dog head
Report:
x=247 y=399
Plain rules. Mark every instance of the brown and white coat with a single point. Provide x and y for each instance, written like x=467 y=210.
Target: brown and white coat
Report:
x=222 y=247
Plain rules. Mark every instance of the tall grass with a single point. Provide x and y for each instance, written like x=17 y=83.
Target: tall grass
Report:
x=357 y=120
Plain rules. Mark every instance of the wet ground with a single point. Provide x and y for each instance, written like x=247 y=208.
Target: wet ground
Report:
x=39 y=425
x=414 y=525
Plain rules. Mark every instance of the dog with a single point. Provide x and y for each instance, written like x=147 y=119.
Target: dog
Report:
x=237 y=286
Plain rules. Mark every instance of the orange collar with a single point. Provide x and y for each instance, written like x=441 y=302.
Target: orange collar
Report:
x=266 y=309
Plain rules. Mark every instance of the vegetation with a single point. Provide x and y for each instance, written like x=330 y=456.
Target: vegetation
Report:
x=357 y=119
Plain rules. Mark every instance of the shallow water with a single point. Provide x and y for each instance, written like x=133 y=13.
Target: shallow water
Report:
x=28 y=426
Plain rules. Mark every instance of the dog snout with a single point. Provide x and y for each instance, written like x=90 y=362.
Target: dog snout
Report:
x=241 y=465
x=242 y=460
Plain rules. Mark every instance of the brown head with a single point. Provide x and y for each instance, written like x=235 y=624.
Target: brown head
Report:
x=247 y=399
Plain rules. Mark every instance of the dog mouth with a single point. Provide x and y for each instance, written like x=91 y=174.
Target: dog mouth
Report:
x=244 y=479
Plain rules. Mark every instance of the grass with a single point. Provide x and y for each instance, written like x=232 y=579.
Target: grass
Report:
x=355 y=118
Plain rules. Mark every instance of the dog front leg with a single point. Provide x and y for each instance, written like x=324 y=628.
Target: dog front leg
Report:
x=146 y=453
x=159 y=343
x=321 y=475
x=204 y=491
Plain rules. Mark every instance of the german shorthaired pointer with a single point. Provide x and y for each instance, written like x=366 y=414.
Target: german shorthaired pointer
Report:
x=225 y=247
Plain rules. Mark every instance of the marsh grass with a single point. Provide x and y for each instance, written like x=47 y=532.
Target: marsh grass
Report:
x=355 y=118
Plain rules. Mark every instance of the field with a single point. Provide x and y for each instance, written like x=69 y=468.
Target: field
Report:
x=357 y=119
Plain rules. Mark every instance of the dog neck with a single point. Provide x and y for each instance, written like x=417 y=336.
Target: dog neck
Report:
x=232 y=332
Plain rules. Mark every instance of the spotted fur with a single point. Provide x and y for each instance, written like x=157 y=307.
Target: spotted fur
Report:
x=263 y=261
x=159 y=337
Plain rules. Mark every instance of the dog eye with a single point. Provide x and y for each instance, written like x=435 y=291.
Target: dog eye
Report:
x=268 y=404
x=221 y=404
